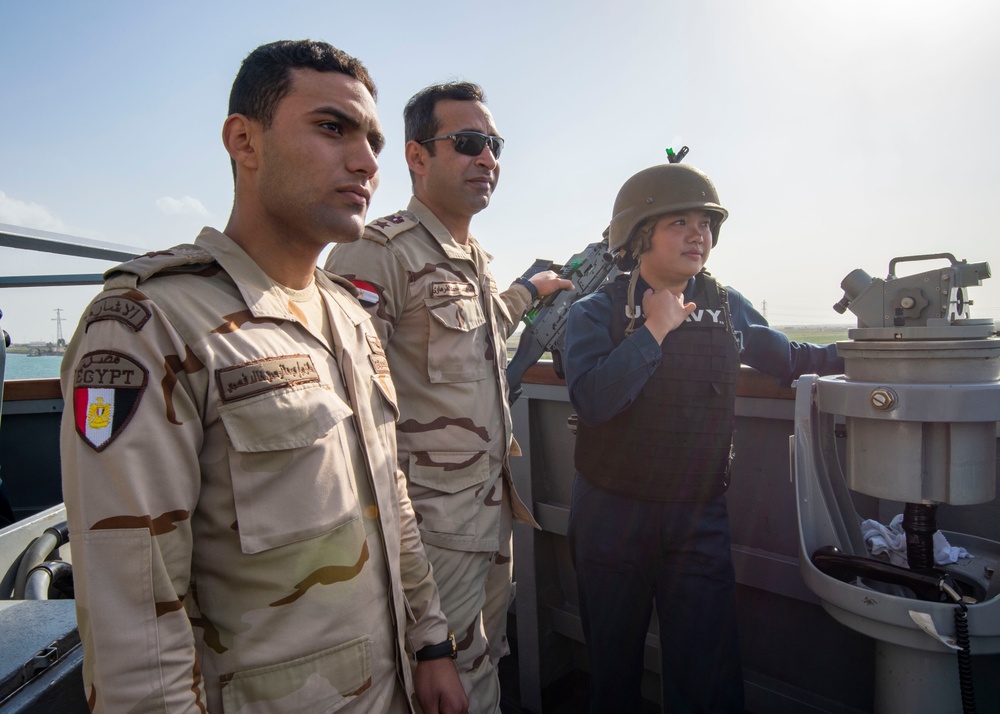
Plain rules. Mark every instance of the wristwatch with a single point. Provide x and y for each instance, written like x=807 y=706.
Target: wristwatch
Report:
x=530 y=286
x=448 y=648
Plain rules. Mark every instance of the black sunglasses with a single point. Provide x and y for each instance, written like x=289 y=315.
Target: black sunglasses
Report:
x=471 y=143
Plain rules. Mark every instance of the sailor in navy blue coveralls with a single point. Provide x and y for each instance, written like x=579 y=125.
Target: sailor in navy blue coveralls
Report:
x=648 y=520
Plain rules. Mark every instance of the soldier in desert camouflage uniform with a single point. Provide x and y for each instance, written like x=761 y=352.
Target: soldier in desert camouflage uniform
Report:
x=436 y=307
x=241 y=535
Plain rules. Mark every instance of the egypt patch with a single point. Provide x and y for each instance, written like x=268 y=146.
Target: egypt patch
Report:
x=251 y=378
x=122 y=309
x=452 y=289
x=368 y=294
x=107 y=387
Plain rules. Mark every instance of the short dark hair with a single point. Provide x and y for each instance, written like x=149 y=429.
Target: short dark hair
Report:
x=265 y=75
x=419 y=120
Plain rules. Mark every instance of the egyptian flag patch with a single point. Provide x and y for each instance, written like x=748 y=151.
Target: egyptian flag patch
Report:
x=107 y=387
x=369 y=295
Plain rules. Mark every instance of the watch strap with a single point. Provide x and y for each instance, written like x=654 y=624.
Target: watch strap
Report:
x=529 y=286
x=447 y=648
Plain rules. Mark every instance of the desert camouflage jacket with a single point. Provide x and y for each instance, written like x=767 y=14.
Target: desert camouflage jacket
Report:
x=241 y=537
x=437 y=309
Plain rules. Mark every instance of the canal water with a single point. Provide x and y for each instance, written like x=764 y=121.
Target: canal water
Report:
x=25 y=367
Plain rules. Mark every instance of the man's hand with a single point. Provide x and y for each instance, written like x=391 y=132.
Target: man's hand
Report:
x=548 y=281
x=438 y=688
x=664 y=311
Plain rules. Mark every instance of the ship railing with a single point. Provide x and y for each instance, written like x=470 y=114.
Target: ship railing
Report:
x=59 y=244
x=32 y=399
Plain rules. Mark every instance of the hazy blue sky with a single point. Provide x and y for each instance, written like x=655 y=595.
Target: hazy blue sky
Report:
x=840 y=134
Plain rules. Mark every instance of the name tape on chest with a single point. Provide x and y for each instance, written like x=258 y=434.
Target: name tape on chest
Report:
x=453 y=289
x=251 y=378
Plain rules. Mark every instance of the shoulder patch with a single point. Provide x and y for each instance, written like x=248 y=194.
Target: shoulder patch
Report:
x=107 y=387
x=126 y=309
x=388 y=227
x=367 y=293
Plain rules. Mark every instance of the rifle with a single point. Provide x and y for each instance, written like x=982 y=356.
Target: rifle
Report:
x=545 y=318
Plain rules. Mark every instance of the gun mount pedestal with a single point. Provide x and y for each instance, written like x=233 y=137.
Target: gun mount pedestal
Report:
x=920 y=412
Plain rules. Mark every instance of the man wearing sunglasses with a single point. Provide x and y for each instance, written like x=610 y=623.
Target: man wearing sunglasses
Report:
x=426 y=281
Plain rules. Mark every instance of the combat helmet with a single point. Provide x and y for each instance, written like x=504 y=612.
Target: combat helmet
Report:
x=662 y=189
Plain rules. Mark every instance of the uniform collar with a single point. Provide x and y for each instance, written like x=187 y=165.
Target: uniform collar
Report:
x=261 y=294
x=440 y=234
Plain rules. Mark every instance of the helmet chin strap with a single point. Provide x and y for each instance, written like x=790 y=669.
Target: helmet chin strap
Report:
x=630 y=311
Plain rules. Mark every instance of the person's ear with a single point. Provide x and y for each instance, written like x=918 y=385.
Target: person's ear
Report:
x=417 y=157
x=240 y=136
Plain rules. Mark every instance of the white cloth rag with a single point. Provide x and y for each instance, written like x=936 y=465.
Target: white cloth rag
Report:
x=892 y=540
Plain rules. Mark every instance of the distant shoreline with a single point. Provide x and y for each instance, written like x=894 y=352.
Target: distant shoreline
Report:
x=37 y=350
x=25 y=347
x=817 y=334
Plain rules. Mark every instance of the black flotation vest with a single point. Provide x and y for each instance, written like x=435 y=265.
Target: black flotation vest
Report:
x=674 y=442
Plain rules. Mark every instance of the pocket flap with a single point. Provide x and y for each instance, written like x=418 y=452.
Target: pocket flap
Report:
x=283 y=419
x=449 y=471
x=337 y=674
x=456 y=313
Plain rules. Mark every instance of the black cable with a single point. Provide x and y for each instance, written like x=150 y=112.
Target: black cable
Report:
x=964 y=659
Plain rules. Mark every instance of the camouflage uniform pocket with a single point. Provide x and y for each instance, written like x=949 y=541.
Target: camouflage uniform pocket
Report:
x=288 y=418
x=121 y=560
x=322 y=682
x=456 y=347
x=448 y=488
x=290 y=460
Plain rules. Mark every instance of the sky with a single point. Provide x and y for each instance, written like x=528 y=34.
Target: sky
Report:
x=840 y=134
